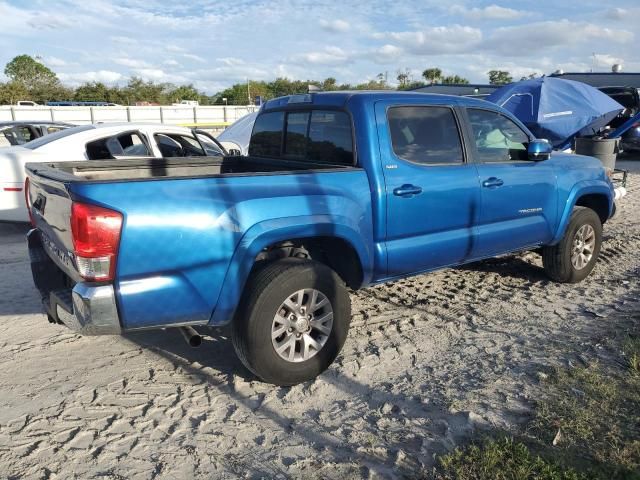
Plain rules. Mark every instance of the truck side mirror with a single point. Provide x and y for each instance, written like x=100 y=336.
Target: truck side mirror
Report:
x=539 y=150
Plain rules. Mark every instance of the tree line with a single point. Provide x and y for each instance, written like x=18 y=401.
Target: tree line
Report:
x=30 y=79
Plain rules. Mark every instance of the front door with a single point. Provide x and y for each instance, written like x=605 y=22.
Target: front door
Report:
x=432 y=191
x=519 y=196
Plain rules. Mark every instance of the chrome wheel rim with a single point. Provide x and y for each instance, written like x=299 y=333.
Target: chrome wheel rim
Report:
x=302 y=325
x=584 y=244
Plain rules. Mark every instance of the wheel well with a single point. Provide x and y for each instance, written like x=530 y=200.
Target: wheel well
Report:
x=596 y=202
x=332 y=251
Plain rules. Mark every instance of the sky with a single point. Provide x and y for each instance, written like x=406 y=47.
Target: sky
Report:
x=214 y=44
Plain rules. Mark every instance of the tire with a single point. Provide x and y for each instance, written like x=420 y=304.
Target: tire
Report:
x=559 y=261
x=270 y=291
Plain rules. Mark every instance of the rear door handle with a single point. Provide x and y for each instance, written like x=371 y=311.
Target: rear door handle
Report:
x=407 y=190
x=492 y=182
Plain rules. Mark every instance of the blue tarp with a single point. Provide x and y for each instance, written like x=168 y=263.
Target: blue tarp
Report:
x=557 y=109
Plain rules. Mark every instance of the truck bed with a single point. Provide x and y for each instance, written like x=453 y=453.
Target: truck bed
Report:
x=191 y=167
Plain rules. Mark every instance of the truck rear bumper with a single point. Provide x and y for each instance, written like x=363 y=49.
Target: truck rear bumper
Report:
x=84 y=308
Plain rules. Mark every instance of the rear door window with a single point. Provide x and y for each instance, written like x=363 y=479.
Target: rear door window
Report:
x=425 y=135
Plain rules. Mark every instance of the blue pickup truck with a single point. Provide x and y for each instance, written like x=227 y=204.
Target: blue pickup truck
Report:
x=339 y=191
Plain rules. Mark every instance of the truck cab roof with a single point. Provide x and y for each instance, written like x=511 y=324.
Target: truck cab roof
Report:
x=339 y=99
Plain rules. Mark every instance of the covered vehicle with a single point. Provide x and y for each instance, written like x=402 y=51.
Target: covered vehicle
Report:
x=556 y=109
x=237 y=135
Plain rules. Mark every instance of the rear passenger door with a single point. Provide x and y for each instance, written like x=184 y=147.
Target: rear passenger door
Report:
x=432 y=191
x=519 y=196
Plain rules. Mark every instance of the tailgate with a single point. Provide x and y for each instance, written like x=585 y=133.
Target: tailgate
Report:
x=50 y=207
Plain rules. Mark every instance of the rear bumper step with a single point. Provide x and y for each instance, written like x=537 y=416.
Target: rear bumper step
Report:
x=85 y=308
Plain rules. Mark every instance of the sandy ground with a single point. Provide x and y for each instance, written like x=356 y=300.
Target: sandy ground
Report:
x=429 y=361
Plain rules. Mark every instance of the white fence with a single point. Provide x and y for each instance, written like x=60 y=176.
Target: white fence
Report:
x=213 y=117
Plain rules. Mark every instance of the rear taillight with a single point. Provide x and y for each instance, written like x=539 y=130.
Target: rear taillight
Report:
x=96 y=236
x=27 y=199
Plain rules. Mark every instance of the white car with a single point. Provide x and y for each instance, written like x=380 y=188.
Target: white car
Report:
x=95 y=142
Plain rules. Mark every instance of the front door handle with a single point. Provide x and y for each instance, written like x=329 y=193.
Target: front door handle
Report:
x=407 y=190
x=492 y=182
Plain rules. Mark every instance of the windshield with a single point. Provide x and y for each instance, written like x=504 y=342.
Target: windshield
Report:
x=39 y=142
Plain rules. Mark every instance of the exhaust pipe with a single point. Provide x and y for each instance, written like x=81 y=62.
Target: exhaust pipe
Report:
x=192 y=337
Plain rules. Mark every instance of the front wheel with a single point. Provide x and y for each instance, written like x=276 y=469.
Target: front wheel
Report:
x=292 y=321
x=573 y=258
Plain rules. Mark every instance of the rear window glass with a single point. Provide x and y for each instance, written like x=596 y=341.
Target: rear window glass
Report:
x=295 y=141
x=267 y=135
x=317 y=136
x=330 y=138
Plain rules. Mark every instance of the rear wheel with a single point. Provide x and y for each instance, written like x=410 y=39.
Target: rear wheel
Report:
x=292 y=322
x=575 y=256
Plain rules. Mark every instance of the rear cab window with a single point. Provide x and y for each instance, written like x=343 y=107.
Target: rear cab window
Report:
x=318 y=136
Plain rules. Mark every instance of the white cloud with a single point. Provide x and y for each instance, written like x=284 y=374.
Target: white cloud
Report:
x=131 y=63
x=105 y=76
x=539 y=36
x=175 y=49
x=194 y=57
x=328 y=56
x=436 y=40
x=606 y=60
x=151 y=73
x=616 y=13
x=337 y=26
x=171 y=63
x=55 y=62
x=230 y=61
x=491 y=12
x=386 y=54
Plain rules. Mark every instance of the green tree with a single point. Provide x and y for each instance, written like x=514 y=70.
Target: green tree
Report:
x=455 y=80
x=404 y=78
x=531 y=76
x=183 y=92
x=31 y=73
x=499 y=77
x=329 y=84
x=11 y=92
x=92 y=92
x=41 y=83
x=432 y=75
x=137 y=90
